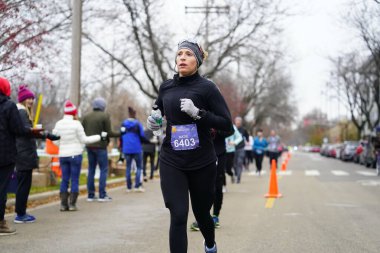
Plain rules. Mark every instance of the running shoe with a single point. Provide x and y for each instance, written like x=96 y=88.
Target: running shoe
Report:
x=212 y=250
x=194 y=226
x=26 y=218
x=139 y=189
x=216 y=221
x=91 y=199
x=105 y=199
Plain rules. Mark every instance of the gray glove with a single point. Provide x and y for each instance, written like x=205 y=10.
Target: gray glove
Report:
x=151 y=124
x=188 y=106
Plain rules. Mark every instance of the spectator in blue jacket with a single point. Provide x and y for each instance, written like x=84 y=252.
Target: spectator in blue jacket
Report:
x=259 y=146
x=132 y=136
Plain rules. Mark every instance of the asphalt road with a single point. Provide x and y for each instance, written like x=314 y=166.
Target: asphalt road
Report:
x=327 y=206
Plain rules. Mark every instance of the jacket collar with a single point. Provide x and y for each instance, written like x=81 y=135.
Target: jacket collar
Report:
x=185 y=79
x=20 y=106
x=66 y=116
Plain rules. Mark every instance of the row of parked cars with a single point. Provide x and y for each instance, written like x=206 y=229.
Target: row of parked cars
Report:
x=361 y=152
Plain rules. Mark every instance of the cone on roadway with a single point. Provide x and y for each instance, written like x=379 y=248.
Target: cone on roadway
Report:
x=283 y=165
x=273 y=186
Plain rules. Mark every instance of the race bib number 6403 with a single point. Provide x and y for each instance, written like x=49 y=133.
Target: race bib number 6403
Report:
x=184 y=137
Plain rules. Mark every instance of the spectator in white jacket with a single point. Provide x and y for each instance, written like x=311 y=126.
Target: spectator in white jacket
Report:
x=71 y=147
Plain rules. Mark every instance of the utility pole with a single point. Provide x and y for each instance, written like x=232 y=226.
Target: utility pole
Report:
x=76 y=46
x=207 y=10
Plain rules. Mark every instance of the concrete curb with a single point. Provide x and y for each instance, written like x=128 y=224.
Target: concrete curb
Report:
x=48 y=194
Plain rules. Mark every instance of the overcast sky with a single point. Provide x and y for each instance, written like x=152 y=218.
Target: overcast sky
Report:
x=311 y=36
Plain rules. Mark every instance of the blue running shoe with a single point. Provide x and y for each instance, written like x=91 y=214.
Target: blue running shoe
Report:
x=212 y=250
x=26 y=218
x=216 y=221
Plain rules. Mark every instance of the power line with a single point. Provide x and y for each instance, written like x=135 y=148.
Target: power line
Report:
x=208 y=9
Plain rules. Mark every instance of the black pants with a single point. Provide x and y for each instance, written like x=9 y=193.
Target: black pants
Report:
x=151 y=156
x=5 y=176
x=259 y=161
x=229 y=164
x=220 y=178
x=248 y=158
x=273 y=156
x=24 y=182
x=176 y=185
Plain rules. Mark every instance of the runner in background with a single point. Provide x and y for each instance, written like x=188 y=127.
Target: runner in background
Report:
x=259 y=145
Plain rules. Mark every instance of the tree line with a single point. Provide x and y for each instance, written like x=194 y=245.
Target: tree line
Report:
x=128 y=50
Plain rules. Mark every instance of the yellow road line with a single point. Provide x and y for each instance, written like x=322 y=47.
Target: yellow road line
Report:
x=270 y=203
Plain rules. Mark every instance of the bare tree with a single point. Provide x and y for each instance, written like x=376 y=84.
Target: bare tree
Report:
x=142 y=42
x=354 y=90
x=24 y=26
x=144 y=48
x=241 y=34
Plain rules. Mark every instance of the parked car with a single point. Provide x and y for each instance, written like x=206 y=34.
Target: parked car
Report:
x=315 y=149
x=324 y=149
x=334 y=150
x=348 y=151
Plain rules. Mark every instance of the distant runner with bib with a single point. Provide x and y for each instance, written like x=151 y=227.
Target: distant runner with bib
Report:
x=192 y=105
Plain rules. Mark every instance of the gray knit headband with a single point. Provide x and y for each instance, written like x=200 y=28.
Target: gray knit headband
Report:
x=194 y=48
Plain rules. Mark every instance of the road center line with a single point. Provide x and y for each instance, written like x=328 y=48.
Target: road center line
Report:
x=339 y=173
x=312 y=173
x=366 y=173
x=270 y=203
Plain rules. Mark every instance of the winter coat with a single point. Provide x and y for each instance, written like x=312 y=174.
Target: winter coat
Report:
x=72 y=135
x=236 y=138
x=259 y=146
x=151 y=146
x=27 y=158
x=274 y=143
x=131 y=140
x=11 y=126
x=96 y=122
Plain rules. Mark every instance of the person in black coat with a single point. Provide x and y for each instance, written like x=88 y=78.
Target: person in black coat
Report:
x=10 y=126
x=27 y=158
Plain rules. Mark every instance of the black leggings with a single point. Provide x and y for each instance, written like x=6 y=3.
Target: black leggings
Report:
x=176 y=185
x=259 y=161
x=24 y=182
x=229 y=164
x=273 y=156
x=220 y=178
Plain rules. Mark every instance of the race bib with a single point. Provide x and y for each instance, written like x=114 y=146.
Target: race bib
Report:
x=184 y=137
x=259 y=151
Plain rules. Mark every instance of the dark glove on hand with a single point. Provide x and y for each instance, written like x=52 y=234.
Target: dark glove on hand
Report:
x=37 y=132
x=52 y=137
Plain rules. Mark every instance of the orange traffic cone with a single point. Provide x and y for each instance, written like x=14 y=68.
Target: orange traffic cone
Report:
x=289 y=155
x=273 y=186
x=55 y=166
x=283 y=165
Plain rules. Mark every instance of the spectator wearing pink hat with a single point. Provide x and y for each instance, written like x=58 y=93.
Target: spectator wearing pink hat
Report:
x=11 y=126
x=27 y=158
x=70 y=153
